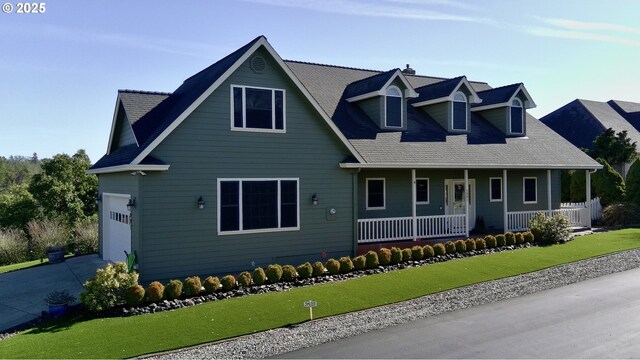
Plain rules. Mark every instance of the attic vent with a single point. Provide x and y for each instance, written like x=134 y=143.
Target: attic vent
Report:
x=258 y=64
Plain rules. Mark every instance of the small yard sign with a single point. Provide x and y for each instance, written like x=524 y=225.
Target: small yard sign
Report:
x=310 y=304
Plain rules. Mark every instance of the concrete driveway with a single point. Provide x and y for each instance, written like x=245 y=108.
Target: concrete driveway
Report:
x=22 y=292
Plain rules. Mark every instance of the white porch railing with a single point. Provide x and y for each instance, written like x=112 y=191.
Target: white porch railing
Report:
x=596 y=207
x=401 y=228
x=519 y=220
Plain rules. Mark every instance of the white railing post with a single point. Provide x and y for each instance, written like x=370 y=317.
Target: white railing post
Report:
x=588 y=198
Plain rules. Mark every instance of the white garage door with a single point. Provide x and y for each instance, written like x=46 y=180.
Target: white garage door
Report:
x=116 y=221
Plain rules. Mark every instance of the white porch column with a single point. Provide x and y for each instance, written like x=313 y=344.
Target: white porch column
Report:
x=466 y=198
x=587 y=222
x=549 y=193
x=414 y=211
x=504 y=200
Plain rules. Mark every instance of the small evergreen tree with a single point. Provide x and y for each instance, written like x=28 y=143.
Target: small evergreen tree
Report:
x=578 y=189
x=613 y=148
x=633 y=183
x=565 y=186
x=608 y=184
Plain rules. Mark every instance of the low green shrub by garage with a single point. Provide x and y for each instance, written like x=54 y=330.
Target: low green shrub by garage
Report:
x=461 y=246
x=360 y=262
x=106 y=289
x=134 y=295
x=417 y=253
x=519 y=237
x=396 y=255
x=228 y=283
x=470 y=244
x=346 y=265
x=501 y=240
x=450 y=247
x=491 y=241
x=528 y=237
x=289 y=273
x=372 y=259
x=384 y=256
x=480 y=244
x=211 y=284
x=154 y=292
x=173 y=290
x=427 y=251
x=333 y=266
x=318 y=268
x=274 y=273
x=510 y=238
x=406 y=255
x=258 y=276
x=439 y=249
x=305 y=271
x=192 y=286
x=244 y=279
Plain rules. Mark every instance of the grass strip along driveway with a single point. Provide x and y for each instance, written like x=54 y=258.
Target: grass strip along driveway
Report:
x=137 y=335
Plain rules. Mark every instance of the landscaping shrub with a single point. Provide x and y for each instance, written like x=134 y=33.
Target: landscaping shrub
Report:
x=510 y=238
x=289 y=273
x=417 y=253
x=346 y=265
x=360 y=262
x=632 y=183
x=228 y=283
x=439 y=249
x=173 y=290
x=106 y=289
x=211 y=284
x=305 y=270
x=470 y=244
x=550 y=230
x=406 y=255
x=501 y=240
x=396 y=255
x=427 y=251
x=258 y=276
x=155 y=292
x=46 y=233
x=461 y=246
x=480 y=244
x=608 y=184
x=274 y=273
x=384 y=256
x=333 y=266
x=528 y=237
x=13 y=247
x=134 y=295
x=85 y=237
x=372 y=259
x=519 y=237
x=244 y=279
x=318 y=268
x=491 y=241
x=450 y=247
x=192 y=286
x=621 y=215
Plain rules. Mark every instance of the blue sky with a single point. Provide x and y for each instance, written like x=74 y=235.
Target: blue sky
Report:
x=61 y=69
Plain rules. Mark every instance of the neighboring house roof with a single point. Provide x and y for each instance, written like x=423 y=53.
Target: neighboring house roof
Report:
x=581 y=121
x=629 y=110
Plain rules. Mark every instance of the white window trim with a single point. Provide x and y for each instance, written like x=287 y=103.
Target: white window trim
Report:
x=524 y=181
x=255 y=231
x=466 y=112
x=522 y=119
x=401 y=108
x=384 y=195
x=491 y=199
x=428 y=192
x=273 y=110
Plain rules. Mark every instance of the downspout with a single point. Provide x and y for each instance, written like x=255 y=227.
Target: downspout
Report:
x=549 y=192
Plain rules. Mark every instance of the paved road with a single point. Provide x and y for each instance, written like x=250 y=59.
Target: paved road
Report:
x=598 y=318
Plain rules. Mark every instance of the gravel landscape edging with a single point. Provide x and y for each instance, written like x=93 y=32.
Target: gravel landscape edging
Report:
x=283 y=340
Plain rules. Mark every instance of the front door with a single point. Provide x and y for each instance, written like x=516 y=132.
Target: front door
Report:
x=454 y=199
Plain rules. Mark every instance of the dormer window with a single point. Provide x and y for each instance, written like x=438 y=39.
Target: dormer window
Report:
x=516 y=121
x=393 y=107
x=460 y=112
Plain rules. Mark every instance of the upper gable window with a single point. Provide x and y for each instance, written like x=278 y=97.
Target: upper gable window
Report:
x=460 y=111
x=257 y=109
x=393 y=107
x=516 y=122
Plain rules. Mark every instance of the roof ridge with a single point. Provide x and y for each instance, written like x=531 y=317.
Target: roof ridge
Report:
x=130 y=91
x=501 y=87
x=334 y=66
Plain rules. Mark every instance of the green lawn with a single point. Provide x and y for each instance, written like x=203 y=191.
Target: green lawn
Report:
x=26 y=264
x=132 y=336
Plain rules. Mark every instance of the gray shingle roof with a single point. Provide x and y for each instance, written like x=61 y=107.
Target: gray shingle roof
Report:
x=609 y=118
x=137 y=103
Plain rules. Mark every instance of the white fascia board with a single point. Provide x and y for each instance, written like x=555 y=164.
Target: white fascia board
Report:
x=489 y=107
x=364 y=96
x=261 y=42
x=475 y=99
x=398 y=74
x=432 y=101
x=528 y=103
x=113 y=123
x=467 y=166
x=128 y=167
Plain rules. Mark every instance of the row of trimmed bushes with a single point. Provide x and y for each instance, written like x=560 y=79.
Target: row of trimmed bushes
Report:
x=274 y=273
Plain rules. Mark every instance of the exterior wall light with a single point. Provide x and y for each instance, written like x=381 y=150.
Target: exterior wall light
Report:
x=98 y=198
x=314 y=199
x=131 y=204
x=200 y=203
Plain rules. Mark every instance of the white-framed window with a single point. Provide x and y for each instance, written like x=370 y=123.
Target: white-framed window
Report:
x=516 y=117
x=393 y=107
x=258 y=205
x=375 y=194
x=495 y=189
x=459 y=113
x=422 y=191
x=258 y=109
x=530 y=190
